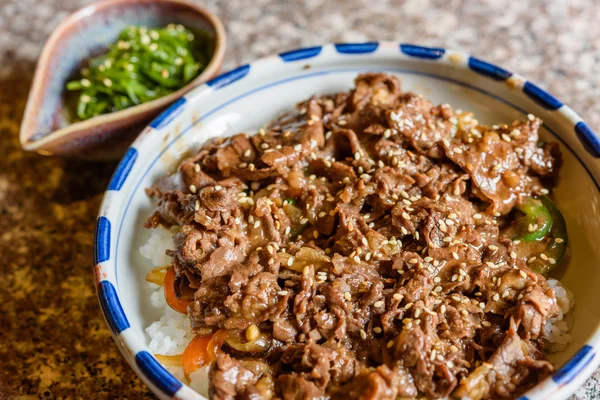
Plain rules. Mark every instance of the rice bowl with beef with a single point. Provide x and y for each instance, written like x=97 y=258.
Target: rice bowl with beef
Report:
x=408 y=208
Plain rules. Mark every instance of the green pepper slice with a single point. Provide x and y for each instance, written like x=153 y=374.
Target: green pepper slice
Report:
x=535 y=222
x=558 y=231
x=543 y=253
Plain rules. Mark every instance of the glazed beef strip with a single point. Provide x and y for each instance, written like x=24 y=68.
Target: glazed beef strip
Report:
x=361 y=233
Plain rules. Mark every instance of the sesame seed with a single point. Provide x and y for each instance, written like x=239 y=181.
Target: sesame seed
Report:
x=390 y=344
x=544 y=191
x=493 y=247
x=363 y=334
x=443 y=308
x=496 y=297
x=378 y=304
x=303 y=221
x=193 y=188
x=413 y=261
x=544 y=257
x=408 y=306
x=377 y=329
x=290 y=261
x=287 y=230
x=437 y=279
x=356 y=259
x=405 y=215
x=530 y=117
x=464 y=312
x=506 y=138
x=298 y=147
x=551 y=260
x=486 y=323
x=437 y=289
x=107 y=82
x=282 y=292
x=432 y=356
x=455 y=297
x=256 y=224
x=417 y=312
x=477 y=216
x=306 y=270
x=458 y=150
x=365 y=241
x=513 y=255
x=482 y=305
x=559 y=240
x=532 y=259
x=455 y=255
x=523 y=274
x=347 y=296
x=397 y=296
x=505 y=294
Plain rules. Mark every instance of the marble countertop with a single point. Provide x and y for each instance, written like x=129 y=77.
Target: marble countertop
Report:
x=53 y=340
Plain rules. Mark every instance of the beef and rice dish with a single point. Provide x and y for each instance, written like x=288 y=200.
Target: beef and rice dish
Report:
x=366 y=245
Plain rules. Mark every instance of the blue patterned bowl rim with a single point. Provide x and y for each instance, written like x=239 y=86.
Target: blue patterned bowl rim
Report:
x=561 y=384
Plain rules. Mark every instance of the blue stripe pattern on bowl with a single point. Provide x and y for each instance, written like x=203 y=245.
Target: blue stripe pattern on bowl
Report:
x=574 y=366
x=102 y=241
x=588 y=139
x=356 y=48
x=157 y=374
x=229 y=77
x=151 y=370
x=123 y=169
x=412 y=50
x=168 y=115
x=488 y=69
x=109 y=301
x=541 y=97
x=300 y=54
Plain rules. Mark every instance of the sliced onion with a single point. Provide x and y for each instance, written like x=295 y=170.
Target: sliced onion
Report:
x=260 y=344
x=157 y=275
x=306 y=256
x=169 y=361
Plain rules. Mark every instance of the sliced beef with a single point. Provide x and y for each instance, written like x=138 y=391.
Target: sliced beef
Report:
x=357 y=247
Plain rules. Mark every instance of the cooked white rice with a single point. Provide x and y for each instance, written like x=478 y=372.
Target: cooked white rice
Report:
x=171 y=334
x=557 y=330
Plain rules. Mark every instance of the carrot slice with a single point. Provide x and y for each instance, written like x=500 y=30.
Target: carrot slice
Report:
x=176 y=303
x=201 y=351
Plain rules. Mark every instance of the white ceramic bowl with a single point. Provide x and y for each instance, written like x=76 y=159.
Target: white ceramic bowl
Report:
x=246 y=98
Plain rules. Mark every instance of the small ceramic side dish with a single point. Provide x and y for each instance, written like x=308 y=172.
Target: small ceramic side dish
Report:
x=46 y=126
x=244 y=99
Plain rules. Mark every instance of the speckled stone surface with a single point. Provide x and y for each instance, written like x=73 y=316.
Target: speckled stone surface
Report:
x=53 y=340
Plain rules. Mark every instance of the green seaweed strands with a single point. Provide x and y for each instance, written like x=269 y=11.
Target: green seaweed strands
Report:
x=143 y=65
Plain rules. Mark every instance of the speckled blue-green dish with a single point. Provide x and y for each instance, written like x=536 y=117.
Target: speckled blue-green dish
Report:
x=244 y=99
x=46 y=126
